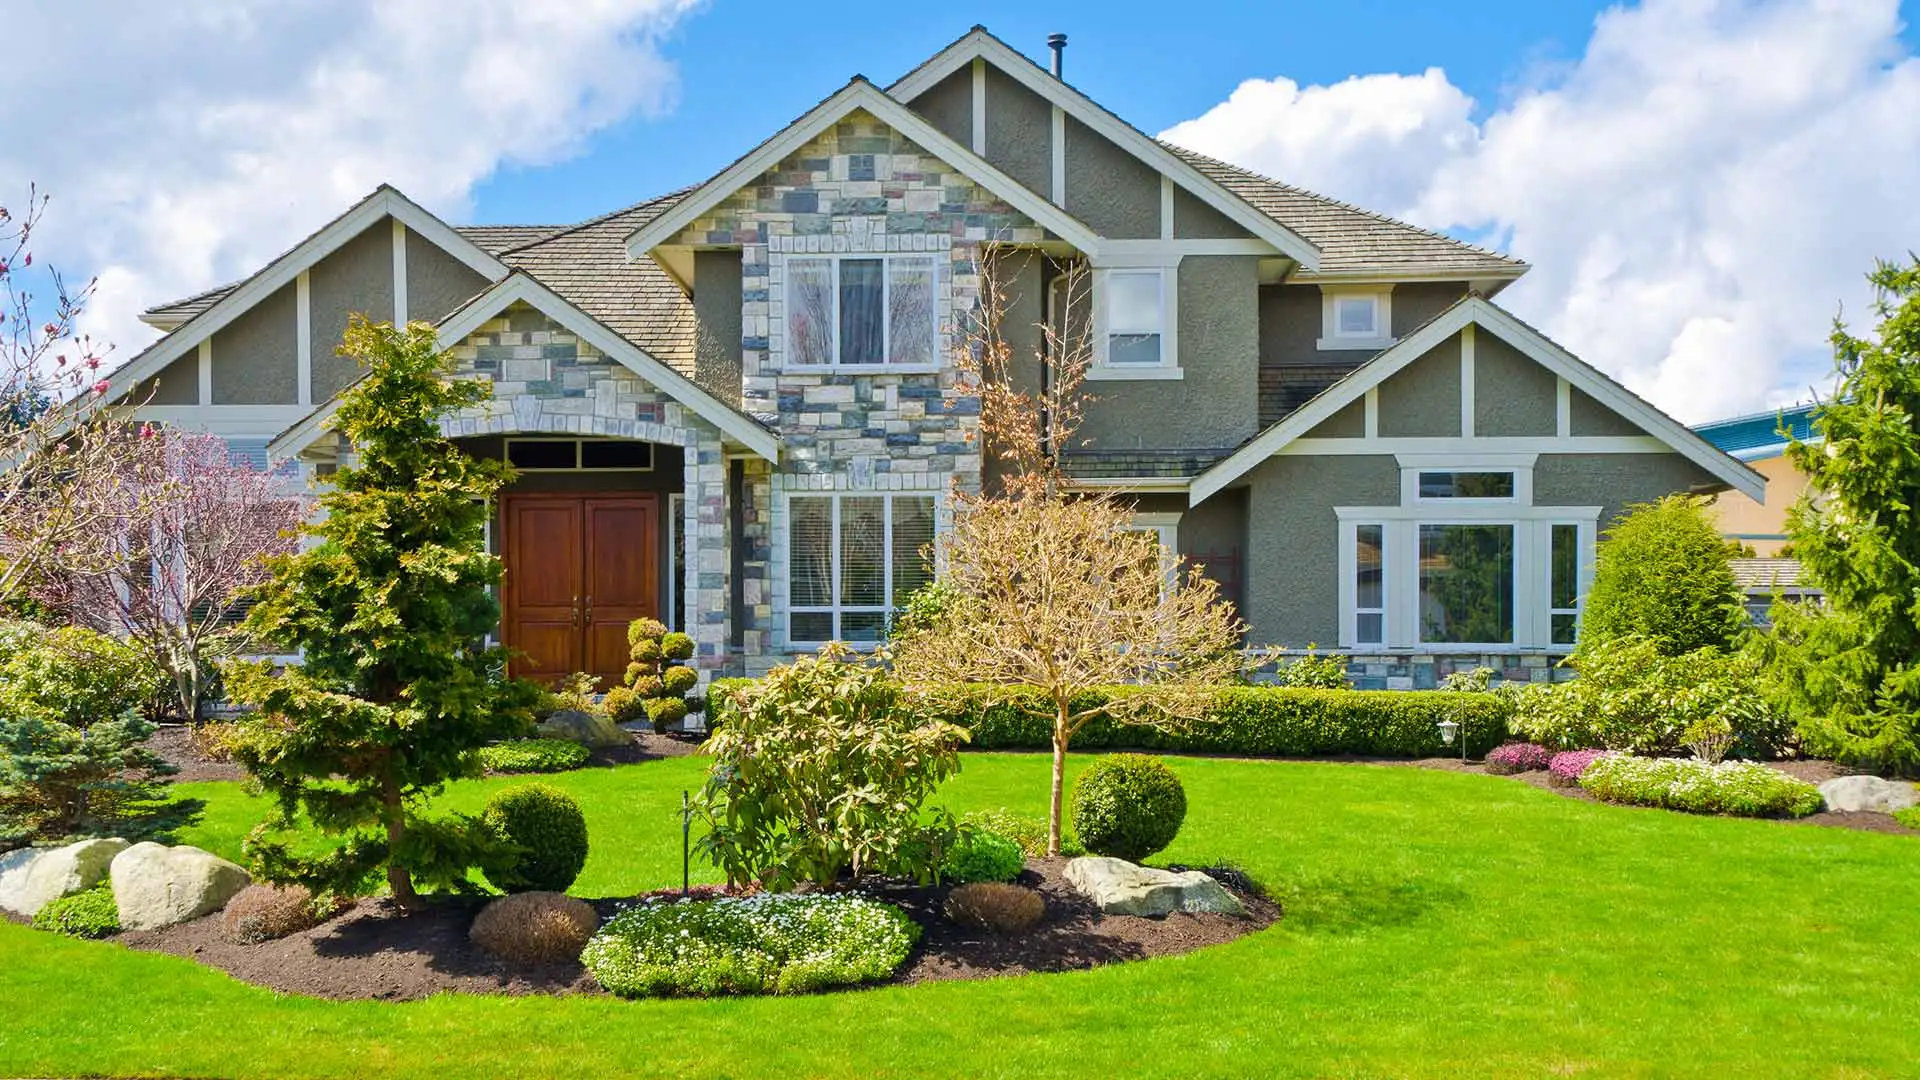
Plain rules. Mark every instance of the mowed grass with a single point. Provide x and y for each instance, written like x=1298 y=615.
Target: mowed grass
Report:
x=1437 y=925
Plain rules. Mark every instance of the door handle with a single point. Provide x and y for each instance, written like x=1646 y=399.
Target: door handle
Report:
x=576 y=611
x=589 y=610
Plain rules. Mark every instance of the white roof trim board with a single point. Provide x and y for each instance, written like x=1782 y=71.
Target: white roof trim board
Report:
x=1478 y=311
x=979 y=44
x=521 y=286
x=858 y=94
x=386 y=201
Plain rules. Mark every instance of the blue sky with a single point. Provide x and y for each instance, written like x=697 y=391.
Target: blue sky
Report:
x=1128 y=56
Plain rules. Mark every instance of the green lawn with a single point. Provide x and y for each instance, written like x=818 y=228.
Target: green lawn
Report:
x=1437 y=925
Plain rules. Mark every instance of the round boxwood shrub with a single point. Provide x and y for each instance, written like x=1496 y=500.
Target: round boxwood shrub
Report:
x=89 y=914
x=547 y=825
x=1128 y=806
x=981 y=855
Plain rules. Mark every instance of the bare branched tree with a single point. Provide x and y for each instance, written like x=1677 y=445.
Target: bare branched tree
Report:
x=1045 y=587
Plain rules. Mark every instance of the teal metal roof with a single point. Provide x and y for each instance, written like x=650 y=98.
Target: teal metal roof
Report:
x=1760 y=435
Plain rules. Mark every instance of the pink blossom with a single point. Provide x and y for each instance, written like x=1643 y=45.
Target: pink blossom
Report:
x=100 y=387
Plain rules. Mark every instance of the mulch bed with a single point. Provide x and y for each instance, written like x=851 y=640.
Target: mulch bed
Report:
x=375 y=951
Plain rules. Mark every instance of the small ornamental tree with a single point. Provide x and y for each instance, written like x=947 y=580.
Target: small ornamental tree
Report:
x=396 y=690
x=1662 y=573
x=656 y=682
x=1847 y=669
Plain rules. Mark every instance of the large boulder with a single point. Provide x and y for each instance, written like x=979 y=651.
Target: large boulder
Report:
x=1857 y=794
x=1123 y=888
x=157 y=886
x=31 y=879
x=588 y=729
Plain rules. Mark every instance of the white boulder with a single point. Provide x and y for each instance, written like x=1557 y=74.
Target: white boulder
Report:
x=1857 y=794
x=1123 y=888
x=30 y=879
x=157 y=886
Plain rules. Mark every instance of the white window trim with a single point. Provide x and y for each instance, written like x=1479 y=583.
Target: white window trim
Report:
x=1165 y=525
x=1332 y=340
x=837 y=609
x=1349 y=563
x=1584 y=541
x=1169 y=366
x=787 y=364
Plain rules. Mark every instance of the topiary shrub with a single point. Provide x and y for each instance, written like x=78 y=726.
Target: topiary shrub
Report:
x=1662 y=573
x=548 y=830
x=268 y=912
x=533 y=756
x=535 y=928
x=995 y=907
x=1518 y=757
x=656 y=683
x=1128 y=806
x=89 y=914
x=980 y=855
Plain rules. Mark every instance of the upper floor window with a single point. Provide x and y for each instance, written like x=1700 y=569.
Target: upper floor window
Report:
x=862 y=311
x=1136 y=339
x=1356 y=319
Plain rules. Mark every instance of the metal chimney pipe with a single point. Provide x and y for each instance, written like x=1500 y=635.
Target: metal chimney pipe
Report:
x=1058 y=43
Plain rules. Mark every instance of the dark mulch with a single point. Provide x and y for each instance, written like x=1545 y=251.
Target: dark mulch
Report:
x=650 y=746
x=377 y=951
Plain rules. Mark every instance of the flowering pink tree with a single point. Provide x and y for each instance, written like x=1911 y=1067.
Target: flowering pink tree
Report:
x=63 y=444
x=195 y=527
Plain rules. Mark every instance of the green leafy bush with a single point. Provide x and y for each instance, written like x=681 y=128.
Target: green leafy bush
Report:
x=533 y=756
x=1029 y=831
x=1264 y=721
x=1128 y=806
x=76 y=674
x=1312 y=670
x=89 y=914
x=548 y=830
x=1662 y=573
x=1741 y=788
x=980 y=855
x=768 y=943
x=820 y=770
x=1630 y=696
x=1910 y=817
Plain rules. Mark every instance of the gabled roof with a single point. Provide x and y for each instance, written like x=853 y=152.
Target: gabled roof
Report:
x=980 y=44
x=523 y=287
x=385 y=201
x=857 y=94
x=1476 y=310
x=1356 y=243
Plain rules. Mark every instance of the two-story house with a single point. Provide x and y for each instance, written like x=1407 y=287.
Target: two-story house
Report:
x=734 y=405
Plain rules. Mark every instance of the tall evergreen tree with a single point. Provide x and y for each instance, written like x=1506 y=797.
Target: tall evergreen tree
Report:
x=1848 y=670
x=395 y=690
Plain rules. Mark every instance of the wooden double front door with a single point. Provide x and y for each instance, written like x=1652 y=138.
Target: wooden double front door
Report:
x=579 y=569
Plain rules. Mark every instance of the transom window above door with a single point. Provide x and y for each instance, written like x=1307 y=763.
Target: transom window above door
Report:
x=579 y=455
x=862 y=311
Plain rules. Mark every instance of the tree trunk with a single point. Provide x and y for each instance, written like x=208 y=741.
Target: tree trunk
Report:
x=398 y=878
x=1060 y=737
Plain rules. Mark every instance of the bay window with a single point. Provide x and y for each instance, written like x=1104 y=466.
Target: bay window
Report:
x=852 y=560
x=862 y=311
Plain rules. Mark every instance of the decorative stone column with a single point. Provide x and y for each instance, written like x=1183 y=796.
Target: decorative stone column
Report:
x=706 y=590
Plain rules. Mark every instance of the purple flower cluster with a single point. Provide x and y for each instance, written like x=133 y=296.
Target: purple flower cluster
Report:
x=1566 y=766
x=1517 y=757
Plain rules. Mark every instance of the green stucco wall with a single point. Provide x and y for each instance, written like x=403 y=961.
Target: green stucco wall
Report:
x=1611 y=481
x=255 y=357
x=1588 y=417
x=1115 y=193
x=1293 y=547
x=1195 y=220
x=1349 y=423
x=1423 y=398
x=436 y=281
x=948 y=106
x=356 y=277
x=177 y=384
x=1019 y=131
x=1512 y=395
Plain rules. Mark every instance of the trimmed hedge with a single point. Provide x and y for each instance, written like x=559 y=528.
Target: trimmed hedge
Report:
x=1262 y=721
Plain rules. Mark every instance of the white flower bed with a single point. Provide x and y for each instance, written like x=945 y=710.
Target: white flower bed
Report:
x=1742 y=788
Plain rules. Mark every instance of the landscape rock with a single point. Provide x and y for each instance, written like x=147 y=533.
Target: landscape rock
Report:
x=1123 y=888
x=1857 y=794
x=591 y=731
x=156 y=886
x=30 y=878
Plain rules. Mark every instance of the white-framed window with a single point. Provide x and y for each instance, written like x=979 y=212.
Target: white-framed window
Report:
x=862 y=311
x=1563 y=583
x=1466 y=582
x=1368 y=575
x=579 y=455
x=1356 y=318
x=852 y=560
x=1136 y=313
x=1164 y=527
x=676 y=558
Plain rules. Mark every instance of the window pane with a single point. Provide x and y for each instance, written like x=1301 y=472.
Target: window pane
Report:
x=809 y=311
x=810 y=553
x=1133 y=349
x=863 y=551
x=1564 y=627
x=541 y=453
x=810 y=626
x=862 y=323
x=910 y=309
x=1369 y=628
x=1133 y=302
x=1466 y=485
x=1367 y=586
x=616 y=454
x=863 y=625
x=912 y=532
x=1566 y=566
x=1466 y=584
x=1355 y=315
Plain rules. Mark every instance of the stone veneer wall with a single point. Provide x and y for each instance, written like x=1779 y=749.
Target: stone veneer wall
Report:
x=859 y=187
x=1423 y=671
x=547 y=381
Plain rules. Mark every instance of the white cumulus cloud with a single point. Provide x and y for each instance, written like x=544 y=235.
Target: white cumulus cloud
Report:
x=186 y=143
x=1699 y=193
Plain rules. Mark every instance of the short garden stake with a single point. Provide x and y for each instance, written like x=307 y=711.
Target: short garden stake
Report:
x=686 y=843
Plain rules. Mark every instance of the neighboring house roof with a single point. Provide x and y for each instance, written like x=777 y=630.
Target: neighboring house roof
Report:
x=859 y=94
x=520 y=286
x=1476 y=310
x=1767 y=576
x=1357 y=244
x=1757 y=436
